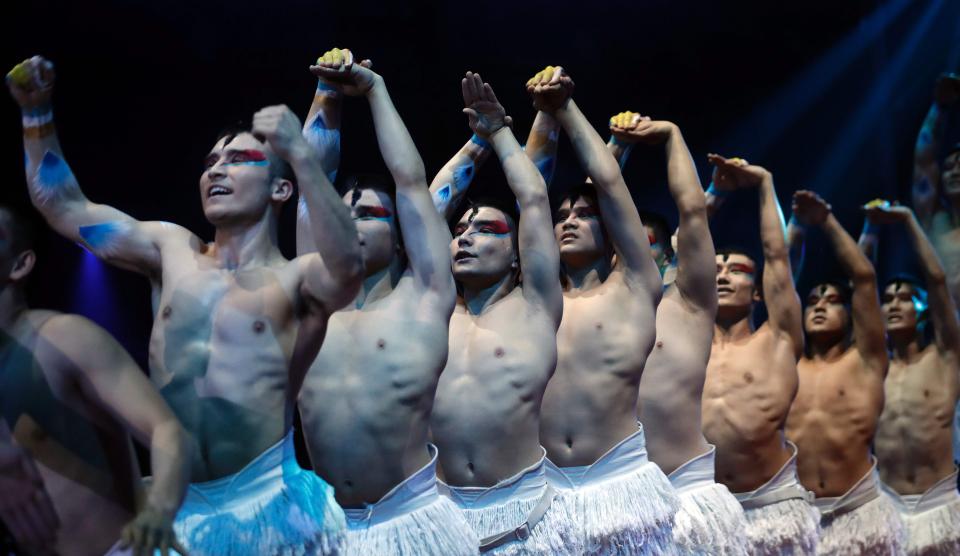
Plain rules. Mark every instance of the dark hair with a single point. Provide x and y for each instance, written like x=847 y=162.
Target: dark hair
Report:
x=843 y=288
x=280 y=167
x=586 y=190
x=375 y=182
x=22 y=229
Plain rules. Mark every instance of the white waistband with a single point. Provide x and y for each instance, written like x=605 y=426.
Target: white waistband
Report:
x=865 y=490
x=414 y=492
x=698 y=471
x=528 y=483
x=941 y=493
x=628 y=455
x=263 y=473
x=782 y=486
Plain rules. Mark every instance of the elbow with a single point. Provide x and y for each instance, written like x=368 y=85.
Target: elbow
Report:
x=936 y=277
x=537 y=196
x=171 y=433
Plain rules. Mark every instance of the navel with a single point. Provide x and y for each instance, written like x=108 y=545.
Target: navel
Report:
x=498 y=353
x=748 y=376
x=381 y=344
x=259 y=326
x=166 y=312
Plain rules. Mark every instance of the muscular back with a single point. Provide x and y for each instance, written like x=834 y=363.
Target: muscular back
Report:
x=227 y=354
x=833 y=420
x=672 y=385
x=366 y=401
x=84 y=455
x=747 y=393
x=602 y=344
x=914 y=438
x=486 y=417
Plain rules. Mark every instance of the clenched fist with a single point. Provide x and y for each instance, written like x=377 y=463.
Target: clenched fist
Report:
x=809 y=208
x=631 y=127
x=550 y=88
x=281 y=128
x=337 y=68
x=31 y=82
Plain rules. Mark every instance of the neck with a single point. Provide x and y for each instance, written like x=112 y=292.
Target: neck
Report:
x=826 y=348
x=478 y=299
x=379 y=284
x=734 y=327
x=905 y=347
x=12 y=305
x=587 y=276
x=243 y=245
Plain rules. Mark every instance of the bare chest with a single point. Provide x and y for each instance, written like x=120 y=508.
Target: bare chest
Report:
x=836 y=396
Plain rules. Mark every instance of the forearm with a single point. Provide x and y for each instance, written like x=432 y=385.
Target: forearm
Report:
x=397 y=148
x=852 y=260
x=930 y=263
x=867 y=243
x=542 y=143
x=796 y=243
x=333 y=231
x=926 y=169
x=170 y=456
x=453 y=180
x=772 y=228
x=682 y=179
x=591 y=151
x=714 y=199
x=51 y=184
x=322 y=127
x=522 y=176
x=620 y=150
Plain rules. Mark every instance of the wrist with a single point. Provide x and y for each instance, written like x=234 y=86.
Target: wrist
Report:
x=622 y=143
x=718 y=193
x=870 y=228
x=375 y=85
x=480 y=142
x=37 y=121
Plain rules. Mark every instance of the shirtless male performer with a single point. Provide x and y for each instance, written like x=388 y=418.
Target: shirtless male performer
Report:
x=237 y=324
x=914 y=438
x=68 y=395
x=936 y=191
x=834 y=416
x=365 y=404
x=622 y=503
x=752 y=377
x=486 y=417
x=710 y=519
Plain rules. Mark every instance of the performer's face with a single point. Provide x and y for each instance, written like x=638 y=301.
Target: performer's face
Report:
x=237 y=183
x=483 y=247
x=375 y=217
x=736 y=285
x=899 y=304
x=825 y=312
x=950 y=174
x=579 y=232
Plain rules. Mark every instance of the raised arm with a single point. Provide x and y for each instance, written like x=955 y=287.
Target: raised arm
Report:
x=332 y=279
x=869 y=331
x=539 y=254
x=25 y=506
x=620 y=216
x=943 y=310
x=426 y=237
x=107 y=232
x=542 y=144
x=82 y=352
x=322 y=131
x=621 y=142
x=451 y=183
x=695 y=253
x=779 y=292
x=926 y=165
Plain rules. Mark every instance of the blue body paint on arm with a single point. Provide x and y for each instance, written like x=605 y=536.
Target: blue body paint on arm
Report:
x=53 y=178
x=104 y=238
x=326 y=141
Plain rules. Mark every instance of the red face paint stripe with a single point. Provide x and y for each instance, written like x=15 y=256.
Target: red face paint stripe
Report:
x=499 y=227
x=253 y=155
x=738 y=267
x=379 y=212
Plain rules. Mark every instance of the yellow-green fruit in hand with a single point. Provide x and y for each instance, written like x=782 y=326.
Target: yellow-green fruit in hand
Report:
x=20 y=74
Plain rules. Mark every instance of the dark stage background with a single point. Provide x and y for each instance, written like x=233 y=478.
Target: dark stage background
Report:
x=828 y=95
